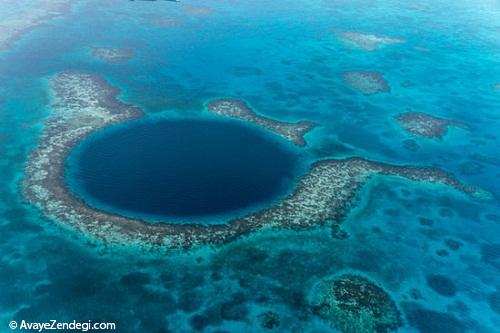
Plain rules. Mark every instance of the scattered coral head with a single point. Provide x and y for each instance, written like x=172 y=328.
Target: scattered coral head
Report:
x=113 y=54
x=366 y=82
x=355 y=304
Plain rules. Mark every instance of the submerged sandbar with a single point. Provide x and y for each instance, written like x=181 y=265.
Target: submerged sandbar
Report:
x=84 y=103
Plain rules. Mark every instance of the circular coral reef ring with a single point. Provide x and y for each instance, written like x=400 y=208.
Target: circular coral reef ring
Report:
x=354 y=303
x=84 y=103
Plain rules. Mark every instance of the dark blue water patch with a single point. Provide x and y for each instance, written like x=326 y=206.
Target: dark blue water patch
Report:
x=181 y=168
x=494 y=301
x=490 y=254
x=442 y=285
x=429 y=321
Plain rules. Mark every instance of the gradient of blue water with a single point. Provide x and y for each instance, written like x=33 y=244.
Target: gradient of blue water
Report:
x=284 y=58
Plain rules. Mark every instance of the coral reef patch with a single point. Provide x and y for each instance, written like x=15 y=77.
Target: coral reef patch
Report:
x=353 y=303
x=367 y=41
x=238 y=109
x=198 y=11
x=366 y=82
x=426 y=125
x=269 y=320
x=114 y=55
x=165 y=22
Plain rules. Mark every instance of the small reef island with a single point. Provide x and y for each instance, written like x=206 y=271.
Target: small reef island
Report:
x=367 y=41
x=113 y=55
x=84 y=103
x=426 y=125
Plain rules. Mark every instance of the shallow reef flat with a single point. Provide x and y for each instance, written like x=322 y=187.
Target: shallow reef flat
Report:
x=325 y=193
x=23 y=19
x=426 y=125
x=353 y=303
x=238 y=109
x=84 y=103
x=367 y=41
x=366 y=82
x=114 y=55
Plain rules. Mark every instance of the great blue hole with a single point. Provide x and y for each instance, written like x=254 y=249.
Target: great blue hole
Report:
x=180 y=168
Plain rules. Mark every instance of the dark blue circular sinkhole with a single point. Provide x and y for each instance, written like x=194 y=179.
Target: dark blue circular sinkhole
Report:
x=180 y=168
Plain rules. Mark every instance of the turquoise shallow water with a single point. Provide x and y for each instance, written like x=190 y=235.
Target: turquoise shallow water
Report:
x=285 y=59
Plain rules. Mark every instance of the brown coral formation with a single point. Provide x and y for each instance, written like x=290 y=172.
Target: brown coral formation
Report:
x=114 y=55
x=426 y=125
x=366 y=82
x=84 y=103
x=238 y=109
x=367 y=41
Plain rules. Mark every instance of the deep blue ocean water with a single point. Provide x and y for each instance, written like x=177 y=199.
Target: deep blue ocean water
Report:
x=181 y=168
x=284 y=58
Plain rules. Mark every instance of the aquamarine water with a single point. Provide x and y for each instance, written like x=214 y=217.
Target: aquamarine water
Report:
x=285 y=59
